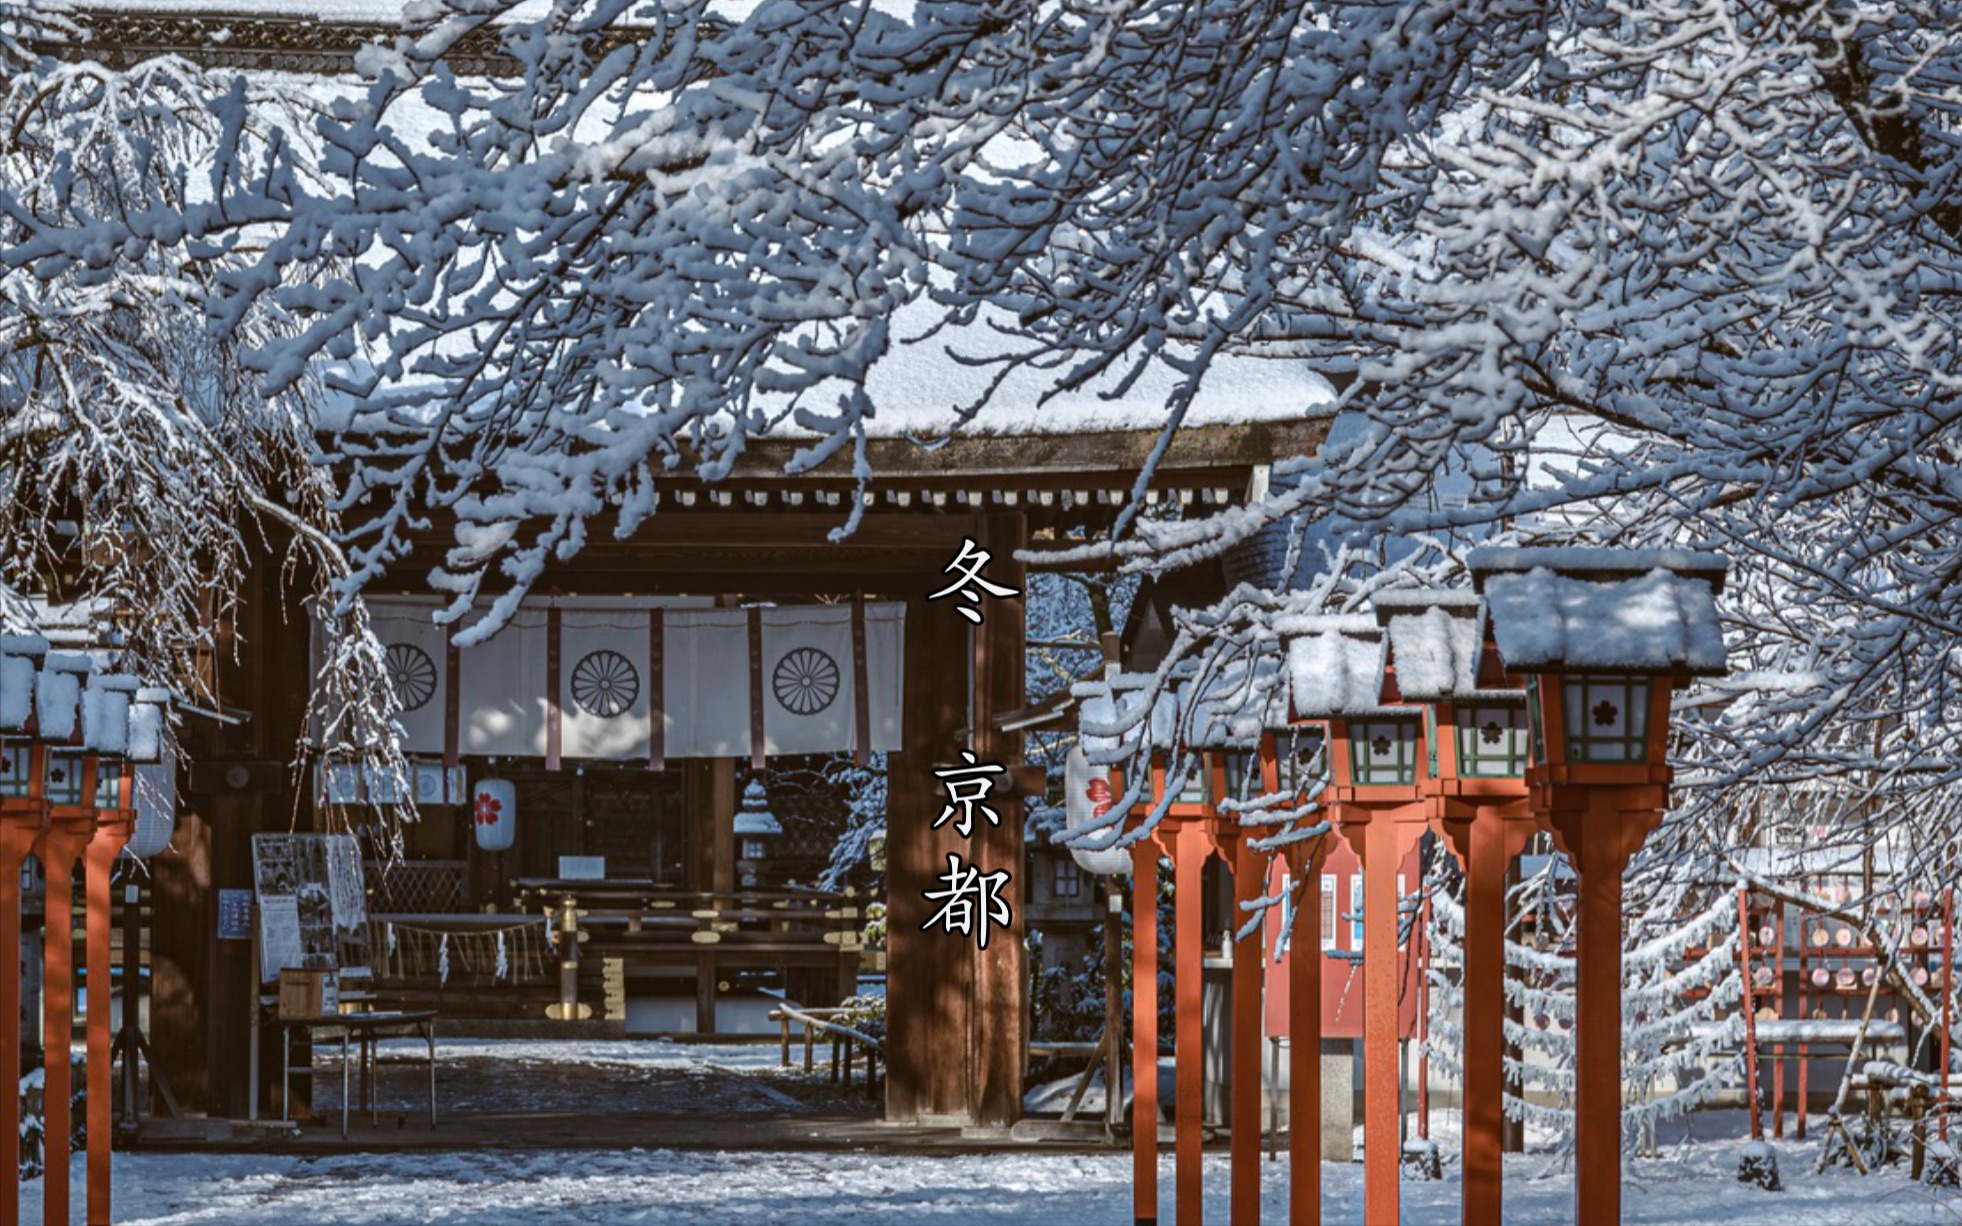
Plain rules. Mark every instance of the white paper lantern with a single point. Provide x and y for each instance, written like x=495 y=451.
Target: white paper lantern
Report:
x=156 y=809
x=1086 y=797
x=494 y=814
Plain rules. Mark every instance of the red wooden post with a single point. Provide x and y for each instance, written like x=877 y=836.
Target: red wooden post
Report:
x=20 y=825
x=1305 y=1040
x=1750 y=1011
x=1188 y=967
x=1948 y=992
x=1598 y=840
x=1382 y=836
x=1486 y=836
x=1249 y=955
x=1144 y=1031
x=59 y=848
x=112 y=833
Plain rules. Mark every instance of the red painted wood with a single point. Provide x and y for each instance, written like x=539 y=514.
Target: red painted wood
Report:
x=1597 y=1038
x=1144 y=1031
x=1305 y=1041
x=58 y=850
x=1382 y=1104
x=99 y=860
x=1188 y=957
x=1249 y=955
x=1489 y=843
x=20 y=824
x=1599 y=827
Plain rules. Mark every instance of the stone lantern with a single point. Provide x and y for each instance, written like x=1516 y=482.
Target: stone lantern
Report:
x=1602 y=636
x=755 y=829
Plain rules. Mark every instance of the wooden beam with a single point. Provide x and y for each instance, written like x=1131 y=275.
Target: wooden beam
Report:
x=722 y=825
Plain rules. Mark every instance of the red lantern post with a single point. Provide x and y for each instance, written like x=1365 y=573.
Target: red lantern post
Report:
x=1475 y=791
x=1296 y=775
x=1602 y=636
x=1375 y=796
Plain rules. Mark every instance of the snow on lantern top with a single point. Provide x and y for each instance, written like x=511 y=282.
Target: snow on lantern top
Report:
x=754 y=818
x=20 y=656
x=1574 y=610
x=1335 y=665
x=1235 y=706
x=1435 y=642
x=1112 y=720
x=1230 y=709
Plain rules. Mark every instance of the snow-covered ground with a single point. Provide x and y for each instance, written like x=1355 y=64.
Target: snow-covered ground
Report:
x=546 y=1187
x=707 y=1085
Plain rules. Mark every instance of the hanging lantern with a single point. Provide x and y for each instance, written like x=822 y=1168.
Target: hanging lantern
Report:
x=494 y=814
x=1088 y=795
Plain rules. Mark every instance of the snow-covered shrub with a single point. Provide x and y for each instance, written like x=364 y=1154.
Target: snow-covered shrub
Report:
x=1422 y=1159
x=1757 y=1164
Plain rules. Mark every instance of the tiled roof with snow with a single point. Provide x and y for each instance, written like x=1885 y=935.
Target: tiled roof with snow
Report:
x=1594 y=562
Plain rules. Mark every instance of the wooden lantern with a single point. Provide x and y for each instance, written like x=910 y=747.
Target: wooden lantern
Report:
x=1602 y=636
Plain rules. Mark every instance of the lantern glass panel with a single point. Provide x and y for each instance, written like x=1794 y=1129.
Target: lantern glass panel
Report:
x=1242 y=775
x=1607 y=718
x=1493 y=741
x=64 y=782
x=752 y=849
x=1384 y=751
x=109 y=782
x=1195 y=791
x=13 y=768
x=1303 y=764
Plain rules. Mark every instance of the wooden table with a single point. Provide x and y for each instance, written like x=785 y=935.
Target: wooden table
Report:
x=363 y=1029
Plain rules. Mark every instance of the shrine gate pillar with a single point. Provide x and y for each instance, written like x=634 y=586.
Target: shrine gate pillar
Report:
x=957 y=1014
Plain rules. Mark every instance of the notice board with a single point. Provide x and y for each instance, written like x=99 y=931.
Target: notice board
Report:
x=312 y=910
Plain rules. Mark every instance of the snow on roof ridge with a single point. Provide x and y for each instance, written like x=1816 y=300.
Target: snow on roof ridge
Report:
x=1402 y=599
x=1605 y=561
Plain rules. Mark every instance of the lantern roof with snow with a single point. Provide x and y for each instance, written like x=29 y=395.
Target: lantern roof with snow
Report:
x=754 y=817
x=1436 y=645
x=74 y=697
x=1578 y=610
x=1335 y=665
x=1230 y=708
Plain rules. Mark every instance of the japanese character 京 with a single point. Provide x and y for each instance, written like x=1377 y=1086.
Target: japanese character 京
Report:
x=969 y=582
x=968 y=886
x=967 y=786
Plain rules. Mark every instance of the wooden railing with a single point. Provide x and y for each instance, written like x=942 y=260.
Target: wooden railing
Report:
x=626 y=915
x=843 y=1040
